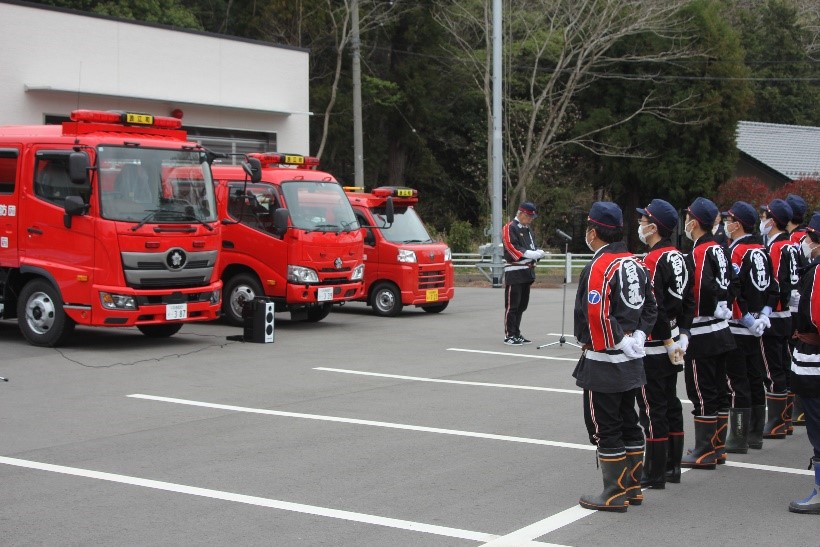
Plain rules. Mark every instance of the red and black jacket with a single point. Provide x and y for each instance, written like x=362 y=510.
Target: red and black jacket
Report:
x=516 y=239
x=805 y=370
x=785 y=277
x=754 y=288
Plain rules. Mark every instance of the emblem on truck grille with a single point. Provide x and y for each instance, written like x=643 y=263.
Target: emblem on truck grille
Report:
x=338 y=263
x=175 y=259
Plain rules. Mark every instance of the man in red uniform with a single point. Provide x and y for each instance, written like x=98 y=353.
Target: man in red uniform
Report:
x=797 y=229
x=521 y=254
x=614 y=312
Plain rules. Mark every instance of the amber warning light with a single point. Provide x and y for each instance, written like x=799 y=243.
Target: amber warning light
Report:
x=290 y=160
x=395 y=191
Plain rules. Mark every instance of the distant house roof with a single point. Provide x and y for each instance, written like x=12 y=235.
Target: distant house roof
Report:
x=792 y=150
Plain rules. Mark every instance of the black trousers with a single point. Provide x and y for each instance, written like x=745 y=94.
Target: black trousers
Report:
x=516 y=300
x=611 y=420
x=744 y=373
x=776 y=363
x=811 y=408
x=706 y=383
x=658 y=404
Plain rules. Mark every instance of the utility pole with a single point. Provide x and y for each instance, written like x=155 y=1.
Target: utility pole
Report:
x=358 y=147
x=497 y=264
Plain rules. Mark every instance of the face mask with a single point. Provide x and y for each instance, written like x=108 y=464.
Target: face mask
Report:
x=589 y=243
x=687 y=231
x=726 y=229
x=765 y=226
x=641 y=236
x=715 y=229
x=806 y=248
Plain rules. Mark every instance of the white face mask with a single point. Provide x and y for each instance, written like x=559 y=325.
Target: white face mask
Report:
x=806 y=248
x=641 y=235
x=726 y=229
x=589 y=243
x=687 y=231
x=715 y=229
x=765 y=226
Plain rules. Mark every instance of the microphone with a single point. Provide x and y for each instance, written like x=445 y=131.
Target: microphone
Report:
x=564 y=235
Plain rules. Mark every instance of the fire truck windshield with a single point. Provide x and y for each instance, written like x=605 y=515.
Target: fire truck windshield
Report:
x=155 y=185
x=319 y=206
x=407 y=226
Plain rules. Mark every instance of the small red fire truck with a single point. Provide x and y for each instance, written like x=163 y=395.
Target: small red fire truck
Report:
x=95 y=228
x=404 y=266
x=289 y=233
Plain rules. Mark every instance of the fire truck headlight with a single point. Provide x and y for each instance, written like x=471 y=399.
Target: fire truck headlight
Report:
x=215 y=295
x=117 y=301
x=300 y=274
x=448 y=255
x=406 y=255
x=358 y=273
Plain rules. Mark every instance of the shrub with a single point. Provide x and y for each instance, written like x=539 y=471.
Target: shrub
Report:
x=460 y=237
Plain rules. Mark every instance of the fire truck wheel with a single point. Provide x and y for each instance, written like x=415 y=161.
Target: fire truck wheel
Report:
x=160 y=331
x=317 y=313
x=386 y=300
x=435 y=308
x=238 y=290
x=42 y=319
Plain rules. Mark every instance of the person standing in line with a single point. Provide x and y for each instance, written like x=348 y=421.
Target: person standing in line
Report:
x=521 y=254
x=614 y=312
x=710 y=337
x=753 y=301
x=661 y=413
x=805 y=372
x=797 y=230
x=773 y=220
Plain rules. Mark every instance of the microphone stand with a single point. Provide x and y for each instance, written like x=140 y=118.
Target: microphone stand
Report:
x=567 y=276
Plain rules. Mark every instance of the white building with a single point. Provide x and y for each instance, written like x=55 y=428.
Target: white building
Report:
x=235 y=95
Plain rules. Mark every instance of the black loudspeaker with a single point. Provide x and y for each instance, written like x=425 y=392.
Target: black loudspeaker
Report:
x=257 y=316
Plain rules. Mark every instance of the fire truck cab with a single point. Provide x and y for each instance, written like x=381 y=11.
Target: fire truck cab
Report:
x=404 y=266
x=93 y=232
x=289 y=233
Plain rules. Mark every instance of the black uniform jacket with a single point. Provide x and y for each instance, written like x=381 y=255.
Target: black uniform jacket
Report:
x=754 y=288
x=805 y=373
x=785 y=277
x=614 y=299
x=516 y=239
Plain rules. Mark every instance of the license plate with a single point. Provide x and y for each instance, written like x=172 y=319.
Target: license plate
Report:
x=323 y=294
x=432 y=295
x=176 y=311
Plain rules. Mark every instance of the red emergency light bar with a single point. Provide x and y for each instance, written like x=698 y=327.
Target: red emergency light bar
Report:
x=125 y=118
x=301 y=162
x=395 y=191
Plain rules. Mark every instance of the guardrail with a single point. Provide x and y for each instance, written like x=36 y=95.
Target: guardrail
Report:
x=553 y=261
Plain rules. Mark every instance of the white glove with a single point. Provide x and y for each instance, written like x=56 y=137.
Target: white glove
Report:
x=765 y=320
x=683 y=342
x=631 y=348
x=640 y=337
x=674 y=353
x=543 y=253
x=759 y=326
x=722 y=311
x=533 y=255
x=794 y=300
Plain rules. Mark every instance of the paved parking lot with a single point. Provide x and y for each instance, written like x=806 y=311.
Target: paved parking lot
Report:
x=418 y=430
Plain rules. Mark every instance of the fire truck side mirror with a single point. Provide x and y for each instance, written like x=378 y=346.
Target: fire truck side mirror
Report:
x=74 y=206
x=388 y=211
x=253 y=167
x=280 y=221
x=78 y=166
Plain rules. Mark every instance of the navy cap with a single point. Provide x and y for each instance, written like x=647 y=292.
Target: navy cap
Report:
x=798 y=205
x=779 y=210
x=529 y=208
x=704 y=211
x=660 y=212
x=606 y=214
x=744 y=213
x=814 y=223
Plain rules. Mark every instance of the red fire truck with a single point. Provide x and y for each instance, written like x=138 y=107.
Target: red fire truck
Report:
x=404 y=266
x=95 y=230
x=289 y=233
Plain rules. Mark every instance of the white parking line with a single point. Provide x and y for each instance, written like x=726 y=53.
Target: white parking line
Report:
x=540 y=528
x=524 y=355
x=338 y=419
x=254 y=500
x=437 y=380
x=773 y=468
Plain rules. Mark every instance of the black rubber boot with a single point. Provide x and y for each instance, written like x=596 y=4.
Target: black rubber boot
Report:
x=674 y=457
x=775 y=427
x=811 y=504
x=756 y=424
x=799 y=416
x=703 y=455
x=654 y=464
x=737 y=442
x=719 y=440
x=614 y=471
x=634 y=463
x=787 y=415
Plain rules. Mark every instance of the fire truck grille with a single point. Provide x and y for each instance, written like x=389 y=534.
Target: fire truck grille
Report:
x=334 y=270
x=335 y=280
x=159 y=271
x=172 y=299
x=433 y=279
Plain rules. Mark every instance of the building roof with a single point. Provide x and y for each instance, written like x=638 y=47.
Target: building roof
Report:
x=792 y=150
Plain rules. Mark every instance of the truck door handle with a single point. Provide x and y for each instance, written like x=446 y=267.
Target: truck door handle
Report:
x=227 y=244
x=33 y=230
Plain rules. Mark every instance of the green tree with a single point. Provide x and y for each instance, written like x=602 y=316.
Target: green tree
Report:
x=165 y=12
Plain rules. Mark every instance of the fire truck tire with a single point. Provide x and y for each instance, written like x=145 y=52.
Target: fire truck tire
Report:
x=238 y=289
x=42 y=319
x=164 y=330
x=435 y=308
x=317 y=313
x=386 y=299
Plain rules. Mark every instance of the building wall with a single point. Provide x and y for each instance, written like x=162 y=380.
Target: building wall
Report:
x=54 y=61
